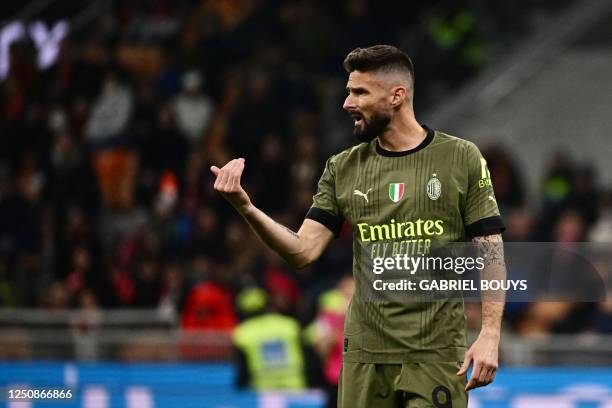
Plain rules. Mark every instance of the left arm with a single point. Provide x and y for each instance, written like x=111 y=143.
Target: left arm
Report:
x=484 y=351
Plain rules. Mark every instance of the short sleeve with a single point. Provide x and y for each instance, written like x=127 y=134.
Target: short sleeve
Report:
x=325 y=208
x=480 y=213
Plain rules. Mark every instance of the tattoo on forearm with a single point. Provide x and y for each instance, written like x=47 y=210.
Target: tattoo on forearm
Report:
x=491 y=247
x=289 y=230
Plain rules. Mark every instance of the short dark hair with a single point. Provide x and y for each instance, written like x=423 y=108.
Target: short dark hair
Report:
x=378 y=57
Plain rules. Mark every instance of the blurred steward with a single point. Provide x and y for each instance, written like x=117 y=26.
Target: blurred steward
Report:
x=268 y=345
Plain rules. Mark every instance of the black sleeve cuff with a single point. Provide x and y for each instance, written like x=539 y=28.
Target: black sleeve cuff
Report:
x=485 y=226
x=332 y=222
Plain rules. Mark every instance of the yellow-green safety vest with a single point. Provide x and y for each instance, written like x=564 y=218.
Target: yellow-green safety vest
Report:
x=271 y=344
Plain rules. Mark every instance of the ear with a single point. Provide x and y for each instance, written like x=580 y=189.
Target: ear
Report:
x=398 y=96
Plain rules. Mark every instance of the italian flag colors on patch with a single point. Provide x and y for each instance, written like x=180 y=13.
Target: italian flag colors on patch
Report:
x=396 y=191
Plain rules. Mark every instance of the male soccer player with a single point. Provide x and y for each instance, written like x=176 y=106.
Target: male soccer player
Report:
x=406 y=184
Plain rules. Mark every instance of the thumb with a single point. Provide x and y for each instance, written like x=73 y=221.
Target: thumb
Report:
x=215 y=170
x=465 y=366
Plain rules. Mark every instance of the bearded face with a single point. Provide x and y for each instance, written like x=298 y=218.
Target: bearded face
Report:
x=367 y=129
x=368 y=104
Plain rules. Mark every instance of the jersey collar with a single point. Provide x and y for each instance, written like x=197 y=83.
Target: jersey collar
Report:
x=424 y=143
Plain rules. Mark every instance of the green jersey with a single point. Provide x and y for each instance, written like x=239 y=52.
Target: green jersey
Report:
x=403 y=203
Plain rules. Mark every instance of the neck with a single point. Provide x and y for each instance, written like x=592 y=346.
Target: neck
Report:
x=403 y=133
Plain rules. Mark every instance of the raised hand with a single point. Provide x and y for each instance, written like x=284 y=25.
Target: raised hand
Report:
x=227 y=183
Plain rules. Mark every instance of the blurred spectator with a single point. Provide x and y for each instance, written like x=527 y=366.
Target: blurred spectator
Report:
x=105 y=133
x=116 y=172
x=148 y=284
x=80 y=271
x=110 y=111
x=173 y=290
x=193 y=109
x=74 y=232
x=271 y=181
x=570 y=227
x=509 y=189
x=20 y=212
x=209 y=306
x=519 y=223
x=164 y=149
x=305 y=169
x=557 y=189
x=563 y=277
x=204 y=233
x=165 y=204
x=285 y=294
x=454 y=46
x=57 y=296
x=85 y=326
x=71 y=177
x=258 y=113
x=327 y=333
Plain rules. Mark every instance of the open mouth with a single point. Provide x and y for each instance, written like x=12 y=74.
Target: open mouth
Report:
x=358 y=118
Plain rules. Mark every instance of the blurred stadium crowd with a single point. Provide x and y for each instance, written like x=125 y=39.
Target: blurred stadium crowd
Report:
x=106 y=199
